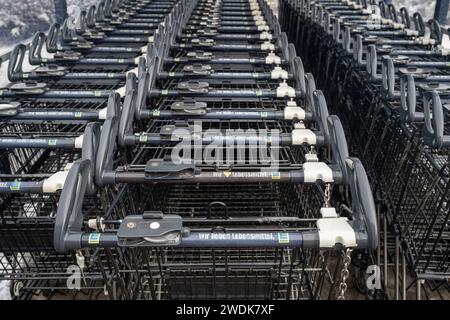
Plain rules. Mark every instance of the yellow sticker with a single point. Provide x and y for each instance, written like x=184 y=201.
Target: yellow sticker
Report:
x=94 y=238
x=276 y=176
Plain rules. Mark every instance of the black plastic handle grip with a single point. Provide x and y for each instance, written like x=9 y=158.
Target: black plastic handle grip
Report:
x=16 y=58
x=338 y=143
x=404 y=14
x=321 y=114
x=36 y=46
x=433 y=129
x=69 y=215
x=435 y=30
x=419 y=24
x=299 y=76
x=127 y=117
x=408 y=97
x=364 y=215
x=91 y=138
x=52 y=38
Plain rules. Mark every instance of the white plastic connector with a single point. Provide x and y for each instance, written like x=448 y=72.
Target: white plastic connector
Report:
x=410 y=32
x=144 y=49
x=334 y=231
x=260 y=23
x=444 y=52
x=284 y=90
x=398 y=26
x=259 y=18
x=328 y=213
x=294 y=113
x=55 y=182
x=317 y=171
x=267 y=46
x=263 y=27
x=79 y=142
x=150 y=39
x=303 y=136
x=311 y=157
x=102 y=114
x=265 y=36
x=122 y=91
x=97 y=225
x=256 y=12
x=425 y=40
x=272 y=58
x=279 y=73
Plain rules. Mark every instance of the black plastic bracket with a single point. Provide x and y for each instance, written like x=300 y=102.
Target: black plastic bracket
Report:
x=151 y=229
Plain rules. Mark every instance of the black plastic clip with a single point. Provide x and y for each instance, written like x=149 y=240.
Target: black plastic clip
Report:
x=188 y=107
x=9 y=109
x=198 y=69
x=200 y=55
x=176 y=132
x=207 y=32
x=203 y=42
x=29 y=87
x=194 y=86
x=159 y=169
x=151 y=229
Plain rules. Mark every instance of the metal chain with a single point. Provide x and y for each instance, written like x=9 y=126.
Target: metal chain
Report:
x=346 y=260
x=327 y=195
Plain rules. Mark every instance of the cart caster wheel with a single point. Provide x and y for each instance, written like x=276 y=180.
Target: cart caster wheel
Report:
x=15 y=288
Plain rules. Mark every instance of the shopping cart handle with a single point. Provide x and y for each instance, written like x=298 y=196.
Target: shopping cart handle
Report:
x=69 y=217
x=435 y=30
x=358 y=49
x=16 y=58
x=127 y=117
x=320 y=114
x=90 y=145
x=90 y=17
x=143 y=89
x=405 y=17
x=419 y=24
x=388 y=78
x=52 y=38
x=107 y=147
x=364 y=218
x=299 y=75
x=310 y=86
x=434 y=121
x=36 y=46
x=339 y=146
x=407 y=110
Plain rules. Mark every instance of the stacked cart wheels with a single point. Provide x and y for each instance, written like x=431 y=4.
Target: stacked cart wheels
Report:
x=388 y=77
x=175 y=150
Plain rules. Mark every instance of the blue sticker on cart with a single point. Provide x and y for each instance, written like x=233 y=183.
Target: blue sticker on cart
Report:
x=94 y=238
x=15 y=186
x=283 y=237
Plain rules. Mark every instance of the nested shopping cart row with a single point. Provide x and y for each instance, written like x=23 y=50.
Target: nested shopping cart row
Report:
x=216 y=171
x=388 y=76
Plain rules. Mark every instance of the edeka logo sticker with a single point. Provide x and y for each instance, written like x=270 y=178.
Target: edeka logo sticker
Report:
x=94 y=238
x=283 y=238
